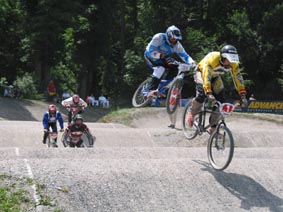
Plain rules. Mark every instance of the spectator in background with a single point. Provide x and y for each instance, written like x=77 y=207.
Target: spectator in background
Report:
x=66 y=95
x=103 y=101
x=51 y=90
x=6 y=92
x=17 y=92
x=92 y=101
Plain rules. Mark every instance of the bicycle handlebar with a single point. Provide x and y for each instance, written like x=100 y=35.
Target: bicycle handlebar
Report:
x=73 y=109
x=184 y=67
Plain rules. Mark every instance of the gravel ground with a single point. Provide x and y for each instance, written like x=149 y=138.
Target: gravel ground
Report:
x=145 y=167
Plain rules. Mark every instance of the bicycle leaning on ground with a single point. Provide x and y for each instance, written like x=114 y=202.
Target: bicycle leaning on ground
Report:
x=220 y=147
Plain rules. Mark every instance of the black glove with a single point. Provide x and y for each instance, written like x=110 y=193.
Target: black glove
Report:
x=171 y=62
x=211 y=97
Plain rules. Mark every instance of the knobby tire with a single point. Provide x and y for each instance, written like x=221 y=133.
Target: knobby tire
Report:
x=220 y=148
x=189 y=132
x=140 y=99
x=174 y=95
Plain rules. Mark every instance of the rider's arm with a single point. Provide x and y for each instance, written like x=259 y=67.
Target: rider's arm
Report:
x=45 y=120
x=206 y=66
x=179 y=49
x=60 y=120
x=68 y=101
x=153 y=51
x=87 y=129
x=82 y=103
x=238 y=79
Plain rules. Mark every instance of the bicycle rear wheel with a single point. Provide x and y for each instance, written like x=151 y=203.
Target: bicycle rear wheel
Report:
x=140 y=96
x=189 y=131
x=220 y=148
x=174 y=95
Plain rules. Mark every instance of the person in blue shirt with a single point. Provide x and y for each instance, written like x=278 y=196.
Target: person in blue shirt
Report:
x=158 y=51
x=50 y=119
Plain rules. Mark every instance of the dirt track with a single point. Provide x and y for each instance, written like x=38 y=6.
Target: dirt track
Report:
x=146 y=167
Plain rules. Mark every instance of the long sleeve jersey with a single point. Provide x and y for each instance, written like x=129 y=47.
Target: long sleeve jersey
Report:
x=159 y=45
x=210 y=67
x=70 y=103
x=52 y=118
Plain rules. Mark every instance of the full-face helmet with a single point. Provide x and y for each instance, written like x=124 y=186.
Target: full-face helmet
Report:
x=173 y=34
x=230 y=53
x=52 y=109
x=78 y=119
x=76 y=98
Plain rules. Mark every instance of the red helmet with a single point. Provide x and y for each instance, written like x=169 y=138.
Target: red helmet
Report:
x=76 y=98
x=52 y=108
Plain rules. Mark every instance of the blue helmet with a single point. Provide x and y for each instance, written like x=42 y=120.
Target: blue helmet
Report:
x=173 y=34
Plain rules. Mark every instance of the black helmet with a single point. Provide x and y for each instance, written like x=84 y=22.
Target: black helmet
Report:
x=230 y=53
x=78 y=117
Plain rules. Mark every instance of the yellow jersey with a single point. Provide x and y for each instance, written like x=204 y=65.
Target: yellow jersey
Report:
x=210 y=68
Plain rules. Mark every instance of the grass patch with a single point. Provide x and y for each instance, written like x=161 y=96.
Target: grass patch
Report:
x=127 y=115
x=16 y=194
x=13 y=197
x=123 y=116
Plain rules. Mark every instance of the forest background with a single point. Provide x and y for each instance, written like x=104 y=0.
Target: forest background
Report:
x=97 y=46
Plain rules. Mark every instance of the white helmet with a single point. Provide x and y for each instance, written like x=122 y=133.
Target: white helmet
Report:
x=173 y=34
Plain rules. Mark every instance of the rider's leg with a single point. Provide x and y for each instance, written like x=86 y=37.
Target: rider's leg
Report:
x=54 y=129
x=69 y=117
x=196 y=103
x=218 y=93
x=45 y=135
x=198 y=100
x=158 y=71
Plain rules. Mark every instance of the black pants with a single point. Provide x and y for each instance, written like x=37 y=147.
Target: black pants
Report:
x=54 y=129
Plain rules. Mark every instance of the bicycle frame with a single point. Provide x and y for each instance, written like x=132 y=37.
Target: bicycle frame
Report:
x=220 y=146
x=225 y=109
x=51 y=138
x=143 y=95
x=73 y=138
x=163 y=86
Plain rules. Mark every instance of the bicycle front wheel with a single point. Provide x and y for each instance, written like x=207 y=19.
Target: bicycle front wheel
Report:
x=220 y=148
x=140 y=97
x=65 y=139
x=190 y=130
x=49 y=141
x=174 y=96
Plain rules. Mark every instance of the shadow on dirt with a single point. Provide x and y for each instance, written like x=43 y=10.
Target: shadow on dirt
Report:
x=253 y=194
x=29 y=110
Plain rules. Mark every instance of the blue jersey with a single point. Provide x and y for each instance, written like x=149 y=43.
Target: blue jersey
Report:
x=52 y=118
x=159 y=45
